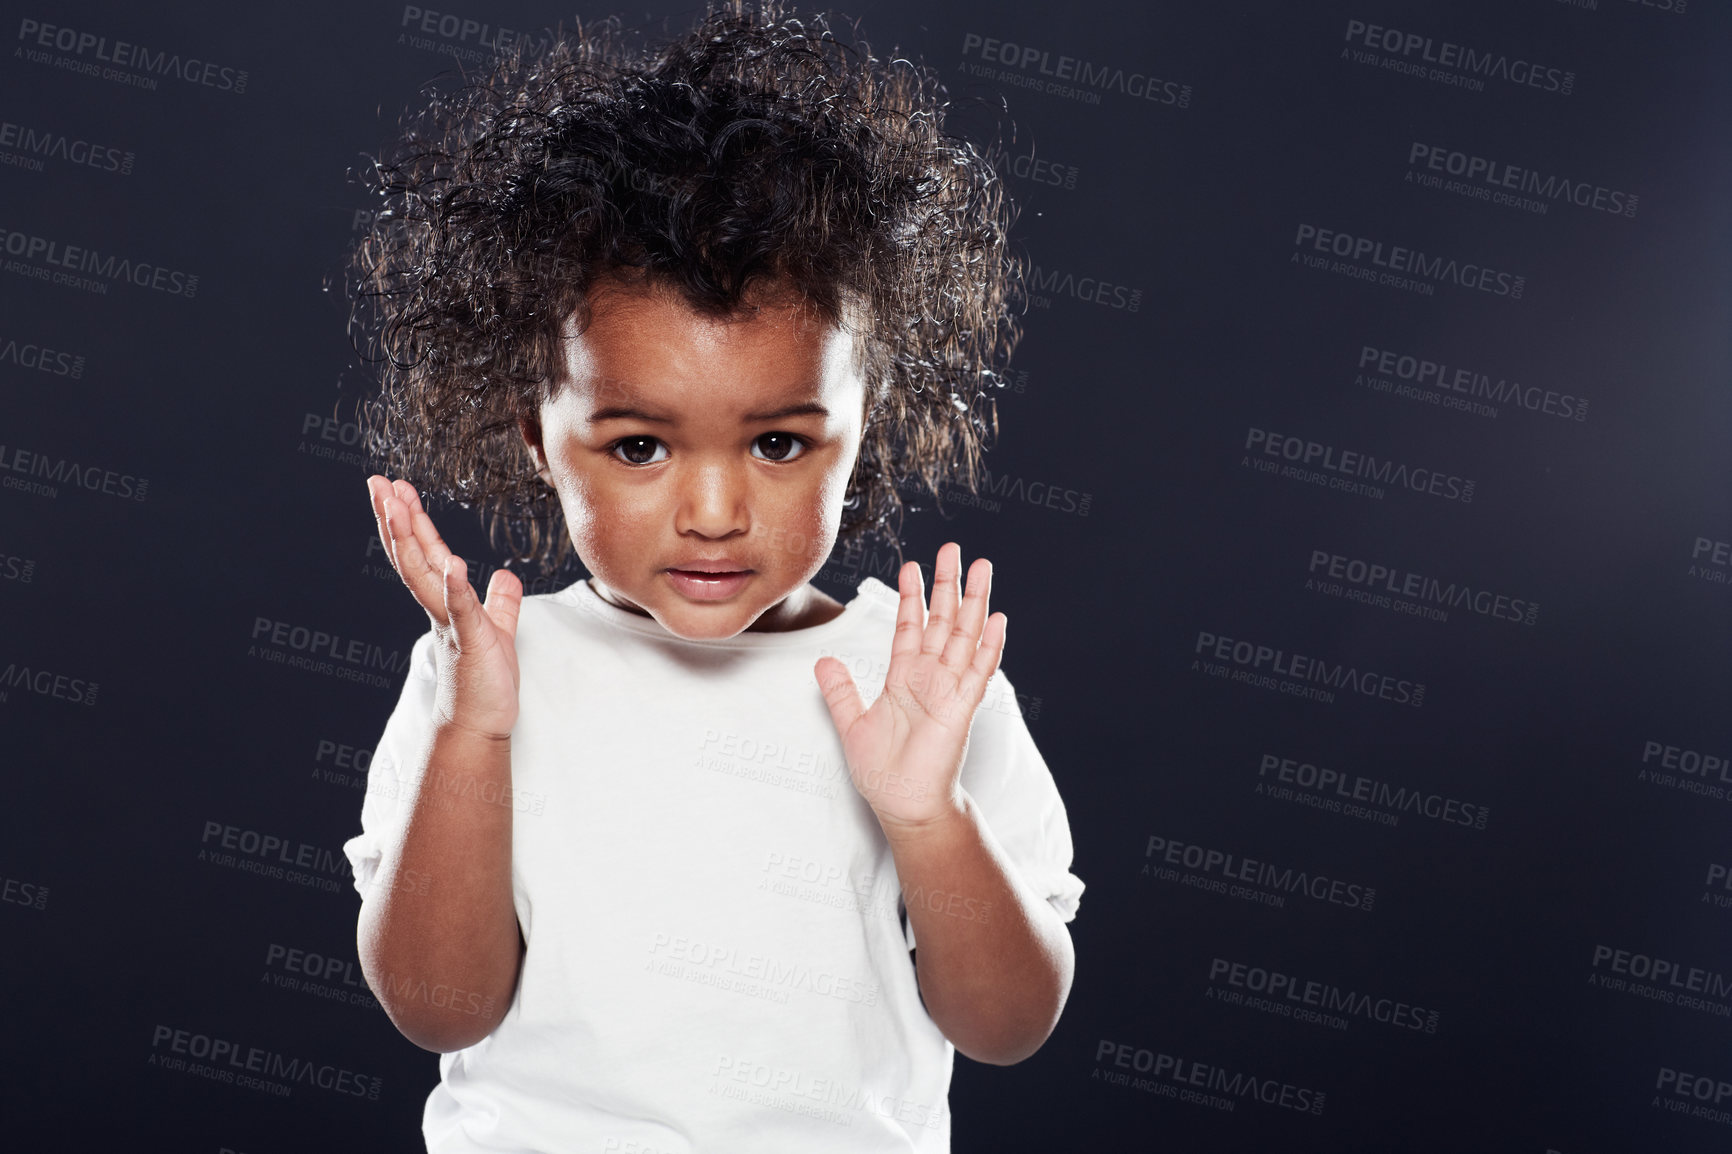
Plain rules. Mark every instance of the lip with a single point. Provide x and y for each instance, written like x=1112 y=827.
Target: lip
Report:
x=708 y=585
x=710 y=565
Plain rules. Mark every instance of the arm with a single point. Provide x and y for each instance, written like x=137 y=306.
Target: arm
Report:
x=995 y=960
x=438 y=937
x=995 y=982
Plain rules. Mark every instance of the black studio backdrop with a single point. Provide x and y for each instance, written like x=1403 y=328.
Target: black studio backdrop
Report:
x=1362 y=502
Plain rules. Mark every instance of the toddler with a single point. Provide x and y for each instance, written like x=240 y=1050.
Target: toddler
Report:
x=690 y=856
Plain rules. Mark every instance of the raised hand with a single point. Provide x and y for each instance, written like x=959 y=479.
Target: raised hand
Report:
x=476 y=649
x=905 y=752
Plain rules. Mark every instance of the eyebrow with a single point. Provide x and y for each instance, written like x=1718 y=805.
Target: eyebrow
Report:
x=623 y=413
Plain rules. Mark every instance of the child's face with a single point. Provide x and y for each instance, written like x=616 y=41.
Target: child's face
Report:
x=700 y=472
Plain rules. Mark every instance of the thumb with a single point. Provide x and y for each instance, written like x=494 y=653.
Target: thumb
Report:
x=460 y=603
x=504 y=600
x=840 y=693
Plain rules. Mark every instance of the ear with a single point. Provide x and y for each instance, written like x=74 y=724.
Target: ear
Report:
x=530 y=427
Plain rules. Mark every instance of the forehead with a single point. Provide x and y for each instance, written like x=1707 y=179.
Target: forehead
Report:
x=647 y=346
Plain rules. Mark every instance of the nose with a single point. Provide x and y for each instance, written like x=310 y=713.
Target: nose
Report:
x=714 y=500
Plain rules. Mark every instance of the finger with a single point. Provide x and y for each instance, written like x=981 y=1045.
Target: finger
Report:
x=432 y=544
x=945 y=601
x=378 y=488
x=400 y=547
x=411 y=496
x=426 y=537
x=910 y=613
x=504 y=600
x=964 y=640
x=974 y=680
x=461 y=604
x=839 y=692
x=381 y=491
x=426 y=583
x=380 y=494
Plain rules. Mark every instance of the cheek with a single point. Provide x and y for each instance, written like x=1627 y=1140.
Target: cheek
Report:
x=598 y=516
x=808 y=525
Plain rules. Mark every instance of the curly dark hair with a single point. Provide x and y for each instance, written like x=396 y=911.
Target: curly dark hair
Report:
x=755 y=151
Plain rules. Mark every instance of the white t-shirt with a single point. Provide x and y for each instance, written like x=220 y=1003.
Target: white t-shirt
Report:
x=717 y=960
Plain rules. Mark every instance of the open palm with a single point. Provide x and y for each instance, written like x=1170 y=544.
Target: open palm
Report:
x=905 y=752
x=477 y=642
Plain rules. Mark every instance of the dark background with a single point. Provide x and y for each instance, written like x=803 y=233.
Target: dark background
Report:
x=160 y=716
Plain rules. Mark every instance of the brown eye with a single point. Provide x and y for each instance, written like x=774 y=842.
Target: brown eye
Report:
x=633 y=449
x=781 y=446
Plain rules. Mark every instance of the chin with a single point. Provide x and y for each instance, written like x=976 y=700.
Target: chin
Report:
x=704 y=626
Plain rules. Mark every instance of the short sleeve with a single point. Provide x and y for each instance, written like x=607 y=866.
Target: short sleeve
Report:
x=390 y=774
x=1004 y=773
